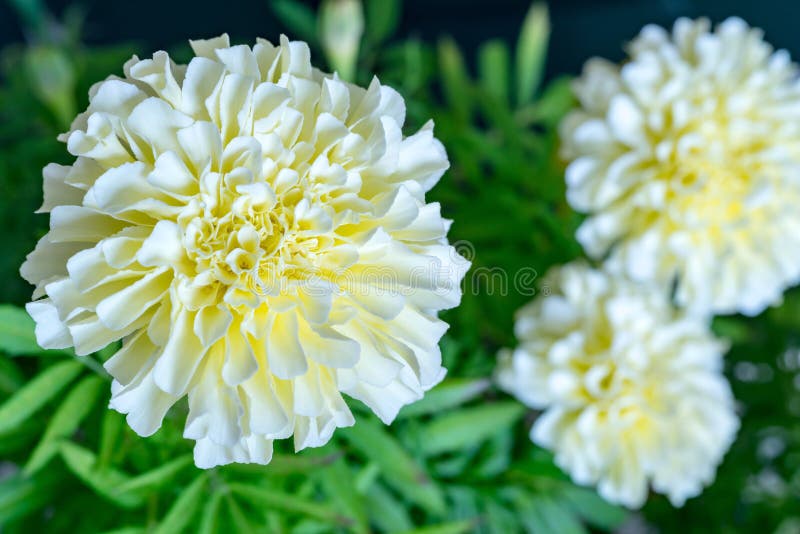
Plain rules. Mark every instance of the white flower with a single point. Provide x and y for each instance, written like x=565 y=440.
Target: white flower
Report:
x=687 y=161
x=256 y=233
x=631 y=390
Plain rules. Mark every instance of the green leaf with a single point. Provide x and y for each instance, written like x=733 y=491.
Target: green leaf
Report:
x=493 y=69
x=556 y=100
x=37 y=393
x=532 y=52
x=468 y=427
x=544 y=515
x=455 y=80
x=454 y=527
x=52 y=78
x=21 y=495
x=184 y=507
x=21 y=437
x=105 y=482
x=208 y=521
x=452 y=392
x=593 y=509
x=382 y=19
x=157 y=477
x=110 y=431
x=11 y=378
x=300 y=19
x=399 y=469
x=16 y=331
x=414 y=65
x=69 y=415
x=267 y=498
x=339 y=483
x=386 y=511
x=240 y=522
x=285 y=464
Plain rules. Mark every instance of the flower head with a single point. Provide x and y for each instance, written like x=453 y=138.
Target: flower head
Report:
x=256 y=233
x=631 y=390
x=687 y=161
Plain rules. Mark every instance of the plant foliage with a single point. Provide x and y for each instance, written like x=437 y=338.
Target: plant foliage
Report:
x=458 y=461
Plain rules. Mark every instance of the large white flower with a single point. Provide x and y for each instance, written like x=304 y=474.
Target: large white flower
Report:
x=687 y=161
x=256 y=233
x=631 y=390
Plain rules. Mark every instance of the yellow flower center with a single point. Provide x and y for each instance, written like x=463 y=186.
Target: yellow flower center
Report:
x=245 y=240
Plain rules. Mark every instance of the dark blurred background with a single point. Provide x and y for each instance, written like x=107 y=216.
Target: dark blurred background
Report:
x=581 y=28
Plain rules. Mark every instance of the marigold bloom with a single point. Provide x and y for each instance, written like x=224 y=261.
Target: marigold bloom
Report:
x=256 y=233
x=687 y=160
x=631 y=390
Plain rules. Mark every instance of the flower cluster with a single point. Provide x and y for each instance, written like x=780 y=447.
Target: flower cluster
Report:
x=256 y=233
x=630 y=388
x=687 y=161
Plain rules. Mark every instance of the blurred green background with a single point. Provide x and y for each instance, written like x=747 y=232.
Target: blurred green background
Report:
x=494 y=77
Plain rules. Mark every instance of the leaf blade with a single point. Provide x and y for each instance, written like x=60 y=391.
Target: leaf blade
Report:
x=469 y=426
x=400 y=470
x=184 y=507
x=17 y=332
x=532 y=51
x=66 y=419
x=36 y=393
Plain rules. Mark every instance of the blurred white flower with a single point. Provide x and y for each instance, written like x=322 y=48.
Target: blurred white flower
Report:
x=631 y=390
x=256 y=233
x=687 y=161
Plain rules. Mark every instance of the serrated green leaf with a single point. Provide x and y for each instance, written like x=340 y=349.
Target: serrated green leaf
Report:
x=469 y=426
x=37 y=393
x=105 y=482
x=16 y=332
x=382 y=19
x=452 y=392
x=399 y=469
x=493 y=69
x=298 y=18
x=157 y=477
x=70 y=414
x=532 y=52
x=183 y=509
x=276 y=499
